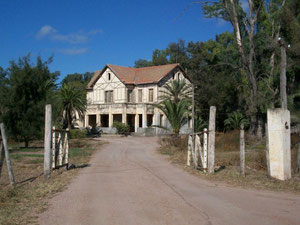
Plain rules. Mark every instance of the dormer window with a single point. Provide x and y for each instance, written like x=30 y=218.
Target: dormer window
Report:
x=108 y=76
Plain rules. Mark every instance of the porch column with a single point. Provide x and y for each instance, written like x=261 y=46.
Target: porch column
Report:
x=145 y=116
x=86 y=120
x=164 y=121
x=110 y=117
x=124 y=114
x=97 y=119
x=157 y=122
x=136 y=122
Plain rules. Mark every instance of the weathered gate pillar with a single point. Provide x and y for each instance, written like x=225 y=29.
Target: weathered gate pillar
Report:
x=279 y=140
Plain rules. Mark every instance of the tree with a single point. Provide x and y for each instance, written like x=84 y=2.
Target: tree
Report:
x=3 y=92
x=176 y=113
x=29 y=89
x=235 y=120
x=175 y=103
x=159 y=57
x=78 y=79
x=176 y=52
x=73 y=101
x=142 y=63
x=176 y=90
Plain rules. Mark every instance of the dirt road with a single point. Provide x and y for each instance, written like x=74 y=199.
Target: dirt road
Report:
x=129 y=183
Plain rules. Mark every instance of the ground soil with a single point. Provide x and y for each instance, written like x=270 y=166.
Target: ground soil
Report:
x=129 y=182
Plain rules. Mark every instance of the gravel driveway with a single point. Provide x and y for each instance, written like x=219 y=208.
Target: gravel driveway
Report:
x=129 y=183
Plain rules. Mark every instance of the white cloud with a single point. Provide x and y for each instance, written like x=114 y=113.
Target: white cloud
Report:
x=72 y=38
x=72 y=51
x=45 y=30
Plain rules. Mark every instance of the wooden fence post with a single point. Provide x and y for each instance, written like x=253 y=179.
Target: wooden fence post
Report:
x=9 y=166
x=205 y=150
x=267 y=150
x=211 y=139
x=60 y=149
x=53 y=148
x=190 y=143
x=67 y=147
x=47 y=141
x=2 y=156
x=242 y=150
x=198 y=148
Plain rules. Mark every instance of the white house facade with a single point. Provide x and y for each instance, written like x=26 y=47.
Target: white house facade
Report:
x=128 y=95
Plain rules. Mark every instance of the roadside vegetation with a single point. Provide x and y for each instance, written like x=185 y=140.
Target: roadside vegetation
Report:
x=21 y=204
x=227 y=161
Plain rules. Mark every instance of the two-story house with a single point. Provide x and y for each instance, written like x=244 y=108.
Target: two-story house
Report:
x=127 y=95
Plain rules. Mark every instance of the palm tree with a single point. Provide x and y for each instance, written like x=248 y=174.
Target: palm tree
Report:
x=73 y=100
x=176 y=113
x=176 y=90
x=235 y=120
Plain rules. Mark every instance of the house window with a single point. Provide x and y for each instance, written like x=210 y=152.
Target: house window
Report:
x=108 y=76
x=151 y=95
x=140 y=95
x=108 y=96
x=130 y=95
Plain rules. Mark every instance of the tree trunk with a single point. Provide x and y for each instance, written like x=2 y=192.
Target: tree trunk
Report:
x=248 y=61
x=253 y=123
x=26 y=143
x=259 y=132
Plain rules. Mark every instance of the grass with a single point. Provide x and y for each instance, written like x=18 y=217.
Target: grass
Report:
x=227 y=158
x=21 y=205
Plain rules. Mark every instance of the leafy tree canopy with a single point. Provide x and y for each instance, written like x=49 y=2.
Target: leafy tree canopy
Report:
x=29 y=88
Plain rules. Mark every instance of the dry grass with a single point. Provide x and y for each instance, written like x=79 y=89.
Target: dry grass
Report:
x=227 y=158
x=20 y=205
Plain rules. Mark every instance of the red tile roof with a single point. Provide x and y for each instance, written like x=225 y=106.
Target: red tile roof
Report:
x=130 y=75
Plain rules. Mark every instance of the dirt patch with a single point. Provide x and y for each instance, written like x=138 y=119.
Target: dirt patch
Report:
x=20 y=205
x=227 y=160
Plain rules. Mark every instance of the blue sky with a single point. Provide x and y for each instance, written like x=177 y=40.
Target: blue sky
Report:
x=85 y=35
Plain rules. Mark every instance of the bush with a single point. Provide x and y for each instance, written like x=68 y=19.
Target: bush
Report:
x=121 y=128
x=76 y=133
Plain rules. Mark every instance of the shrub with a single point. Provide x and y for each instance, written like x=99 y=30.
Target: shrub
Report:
x=121 y=128
x=77 y=133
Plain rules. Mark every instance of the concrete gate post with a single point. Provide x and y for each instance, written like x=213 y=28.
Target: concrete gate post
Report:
x=279 y=143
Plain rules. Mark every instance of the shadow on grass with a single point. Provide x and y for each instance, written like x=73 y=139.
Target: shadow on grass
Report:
x=70 y=167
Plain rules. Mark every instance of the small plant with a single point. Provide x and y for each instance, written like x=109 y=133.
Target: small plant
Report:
x=235 y=120
x=121 y=128
x=200 y=124
x=77 y=133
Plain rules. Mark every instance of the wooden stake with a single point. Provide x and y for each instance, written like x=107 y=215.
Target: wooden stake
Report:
x=211 y=139
x=2 y=156
x=60 y=149
x=198 y=148
x=53 y=148
x=190 y=143
x=47 y=141
x=242 y=150
x=205 y=150
x=67 y=147
x=9 y=166
x=267 y=150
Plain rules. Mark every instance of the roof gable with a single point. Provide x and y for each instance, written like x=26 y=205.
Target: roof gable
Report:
x=130 y=75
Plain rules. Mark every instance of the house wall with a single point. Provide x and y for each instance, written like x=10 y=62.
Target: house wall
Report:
x=120 y=105
x=97 y=95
